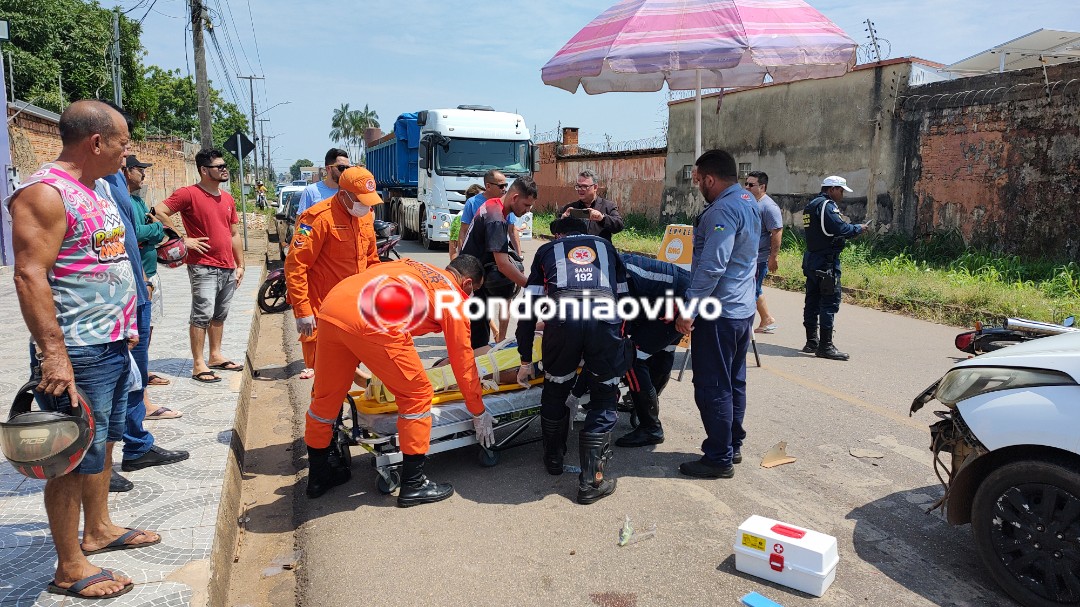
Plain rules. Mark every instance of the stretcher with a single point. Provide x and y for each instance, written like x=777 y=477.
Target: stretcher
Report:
x=512 y=407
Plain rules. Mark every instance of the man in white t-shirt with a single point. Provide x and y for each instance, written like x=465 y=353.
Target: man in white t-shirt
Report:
x=337 y=160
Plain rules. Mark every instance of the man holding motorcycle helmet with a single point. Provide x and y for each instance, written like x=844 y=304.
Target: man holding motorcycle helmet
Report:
x=826 y=230
x=333 y=240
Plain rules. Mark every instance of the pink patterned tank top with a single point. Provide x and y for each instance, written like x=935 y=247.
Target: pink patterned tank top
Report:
x=92 y=281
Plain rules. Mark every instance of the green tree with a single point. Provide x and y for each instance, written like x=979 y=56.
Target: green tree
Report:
x=341 y=127
x=359 y=120
x=294 y=170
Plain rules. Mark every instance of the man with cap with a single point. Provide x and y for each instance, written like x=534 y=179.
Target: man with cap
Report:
x=826 y=231
x=333 y=240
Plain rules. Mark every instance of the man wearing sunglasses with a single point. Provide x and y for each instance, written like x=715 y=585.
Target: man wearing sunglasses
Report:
x=215 y=259
x=495 y=184
x=604 y=219
x=337 y=160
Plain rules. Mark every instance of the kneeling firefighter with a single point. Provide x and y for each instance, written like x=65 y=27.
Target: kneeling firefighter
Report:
x=654 y=341
x=371 y=318
x=588 y=269
x=826 y=232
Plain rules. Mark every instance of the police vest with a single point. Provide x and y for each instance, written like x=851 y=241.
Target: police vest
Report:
x=579 y=263
x=817 y=240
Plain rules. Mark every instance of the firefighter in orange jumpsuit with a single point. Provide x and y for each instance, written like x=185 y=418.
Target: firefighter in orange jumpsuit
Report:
x=372 y=318
x=333 y=240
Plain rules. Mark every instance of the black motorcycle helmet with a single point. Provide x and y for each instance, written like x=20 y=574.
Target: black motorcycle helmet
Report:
x=46 y=444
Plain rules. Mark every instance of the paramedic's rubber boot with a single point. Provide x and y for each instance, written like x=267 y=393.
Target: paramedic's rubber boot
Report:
x=826 y=349
x=595 y=451
x=418 y=489
x=554 y=432
x=649 y=430
x=811 y=340
x=322 y=474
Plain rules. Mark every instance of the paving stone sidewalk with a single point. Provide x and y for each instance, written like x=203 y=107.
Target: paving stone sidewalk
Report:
x=179 y=501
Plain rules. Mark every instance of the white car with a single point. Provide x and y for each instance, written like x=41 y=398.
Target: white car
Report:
x=283 y=195
x=1012 y=435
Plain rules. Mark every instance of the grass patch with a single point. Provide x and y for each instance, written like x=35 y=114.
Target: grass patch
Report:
x=935 y=278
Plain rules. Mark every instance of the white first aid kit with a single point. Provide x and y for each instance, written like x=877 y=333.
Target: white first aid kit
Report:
x=798 y=558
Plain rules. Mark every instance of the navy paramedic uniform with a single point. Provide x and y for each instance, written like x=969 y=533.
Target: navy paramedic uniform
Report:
x=587 y=269
x=826 y=232
x=654 y=341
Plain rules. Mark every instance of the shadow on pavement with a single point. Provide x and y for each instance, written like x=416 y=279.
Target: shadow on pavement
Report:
x=276 y=373
x=765 y=349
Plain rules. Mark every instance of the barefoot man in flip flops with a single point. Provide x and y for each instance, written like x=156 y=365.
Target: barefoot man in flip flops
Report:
x=215 y=259
x=76 y=291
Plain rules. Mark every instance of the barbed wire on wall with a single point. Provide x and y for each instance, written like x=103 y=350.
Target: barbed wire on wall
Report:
x=554 y=134
x=1016 y=92
x=681 y=95
x=609 y=147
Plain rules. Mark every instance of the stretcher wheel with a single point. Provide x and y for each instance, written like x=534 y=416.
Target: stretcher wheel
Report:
x=341 y=443
x=488 y=458
x=388 y=481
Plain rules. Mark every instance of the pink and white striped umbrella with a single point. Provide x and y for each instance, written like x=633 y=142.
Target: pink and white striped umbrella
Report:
x=638 y=45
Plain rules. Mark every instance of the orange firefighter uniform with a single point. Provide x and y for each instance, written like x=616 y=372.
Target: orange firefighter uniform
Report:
x=347 y=337
x=328 y=245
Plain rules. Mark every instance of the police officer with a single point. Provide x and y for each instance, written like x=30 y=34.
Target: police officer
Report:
x=654 y=342
x=587 y=269
x=826 y=230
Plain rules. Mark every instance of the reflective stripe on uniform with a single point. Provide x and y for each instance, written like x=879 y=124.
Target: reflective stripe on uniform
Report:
x=601 y=255
x=424 y=415
x=643 y=356
x=537 y=290
x=560 y=266
x=611 y=382
x=560 y=379
x=622 y=287
x=671 y=348
x=824 y=209
x=647 y=275
x=321 y=420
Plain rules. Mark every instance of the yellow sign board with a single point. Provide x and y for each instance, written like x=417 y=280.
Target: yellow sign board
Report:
x=678 y=245
x=753 y=541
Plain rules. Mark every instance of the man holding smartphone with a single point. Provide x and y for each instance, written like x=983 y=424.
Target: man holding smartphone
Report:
x=601 y=215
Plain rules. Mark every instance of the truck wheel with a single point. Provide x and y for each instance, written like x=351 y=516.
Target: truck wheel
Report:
x=422 y=233
x=1026 y=522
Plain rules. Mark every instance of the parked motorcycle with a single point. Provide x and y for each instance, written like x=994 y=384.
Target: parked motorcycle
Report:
x=273 y=293
x=1013 y=331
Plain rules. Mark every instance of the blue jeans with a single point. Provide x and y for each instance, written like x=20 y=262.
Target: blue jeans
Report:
x=101 y=373
x=137 y=441
x=762 y=272
x=718 y=358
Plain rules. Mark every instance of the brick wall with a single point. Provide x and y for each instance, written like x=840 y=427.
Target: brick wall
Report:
x=35 y=140
x=634 y=180
x=998 y=165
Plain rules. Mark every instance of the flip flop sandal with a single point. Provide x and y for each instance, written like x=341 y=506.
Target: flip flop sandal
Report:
x=206 y=377
x=227 y=366
x=157 y=380
x=164 y=413
x=767 y=329
x=307 y=374
x=120 y=543
x=75 y=590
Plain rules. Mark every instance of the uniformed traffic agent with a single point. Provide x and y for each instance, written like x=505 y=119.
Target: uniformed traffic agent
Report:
x=586 y=268
x=654 y=343
x=826 y=232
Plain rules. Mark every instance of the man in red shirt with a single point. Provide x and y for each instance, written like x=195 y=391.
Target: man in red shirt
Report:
x=215 y=258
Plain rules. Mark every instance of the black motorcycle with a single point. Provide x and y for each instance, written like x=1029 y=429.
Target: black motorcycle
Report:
x=273 y=293
x=1013 y=331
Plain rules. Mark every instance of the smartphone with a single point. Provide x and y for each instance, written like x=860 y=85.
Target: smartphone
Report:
x=580 y=213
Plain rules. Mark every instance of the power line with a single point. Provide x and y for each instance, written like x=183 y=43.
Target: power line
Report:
x=147 y=12
x=231 y=29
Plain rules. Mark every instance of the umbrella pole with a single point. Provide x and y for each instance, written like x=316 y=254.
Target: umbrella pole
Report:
x=697 y=118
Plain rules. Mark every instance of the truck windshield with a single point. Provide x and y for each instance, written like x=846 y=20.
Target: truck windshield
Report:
x=477 y=156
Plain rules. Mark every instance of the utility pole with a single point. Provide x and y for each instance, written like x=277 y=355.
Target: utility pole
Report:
x=202 y=85
x=251 y=87
x=118 y=90
x=266 y=147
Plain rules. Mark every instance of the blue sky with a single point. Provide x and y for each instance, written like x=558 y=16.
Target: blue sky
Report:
x=399 y=57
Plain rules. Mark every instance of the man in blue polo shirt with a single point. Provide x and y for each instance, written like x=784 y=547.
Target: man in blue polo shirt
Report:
x=726 y=236
x=495 y=184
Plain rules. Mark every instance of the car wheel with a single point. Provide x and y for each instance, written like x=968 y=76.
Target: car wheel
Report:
x=1026 y=521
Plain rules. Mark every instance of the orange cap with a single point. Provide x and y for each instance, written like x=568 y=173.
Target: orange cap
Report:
x=359 y=182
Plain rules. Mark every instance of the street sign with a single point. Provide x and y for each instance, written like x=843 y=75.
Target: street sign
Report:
x=246 y=146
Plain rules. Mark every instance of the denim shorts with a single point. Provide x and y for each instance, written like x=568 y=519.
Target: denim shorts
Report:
x=101 y=372
x=762 y=271
x=212 y=290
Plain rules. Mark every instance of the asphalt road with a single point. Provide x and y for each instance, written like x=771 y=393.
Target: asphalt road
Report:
x=512 y=535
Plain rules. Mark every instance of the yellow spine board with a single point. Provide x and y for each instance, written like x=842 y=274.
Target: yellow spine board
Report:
x=369 y=406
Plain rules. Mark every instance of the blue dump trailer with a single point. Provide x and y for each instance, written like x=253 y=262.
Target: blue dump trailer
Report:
x=393 y=160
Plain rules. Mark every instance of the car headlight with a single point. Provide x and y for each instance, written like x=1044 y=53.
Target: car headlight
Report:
x=966 y=382
x=445 y=225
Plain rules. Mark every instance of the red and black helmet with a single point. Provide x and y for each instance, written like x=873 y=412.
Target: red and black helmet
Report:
x=172 y=251
x=46 y=444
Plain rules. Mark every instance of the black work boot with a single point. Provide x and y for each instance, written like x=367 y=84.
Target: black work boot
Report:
x=418 y=489
x=324 y=474
x=554 y=433
x=649 y=430
x=826 y=349
x=811 y=340
x=594 y=451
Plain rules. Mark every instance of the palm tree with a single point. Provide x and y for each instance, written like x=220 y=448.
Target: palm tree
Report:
x=359 y=120
x=342 y=125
